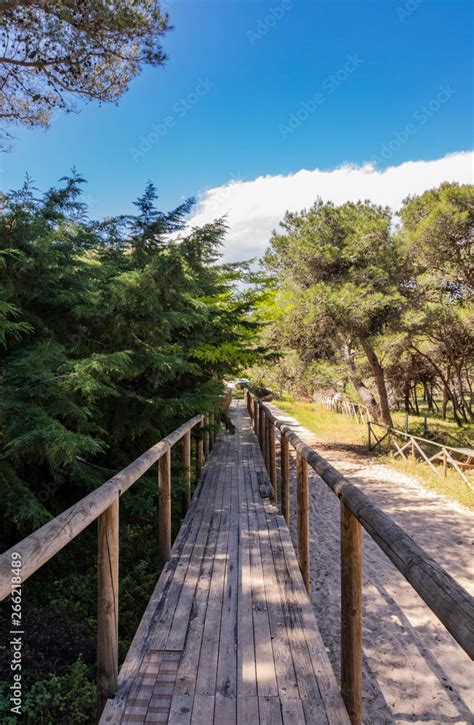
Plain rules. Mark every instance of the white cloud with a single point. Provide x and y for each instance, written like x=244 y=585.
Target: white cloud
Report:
x=254 y=208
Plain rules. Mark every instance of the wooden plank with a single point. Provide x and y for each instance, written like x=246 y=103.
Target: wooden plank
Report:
x=207 y=671
x=246 y=672
x=225 y=710
x=264 y=660
x=226 y=682
x=182 y=612
x=159 y=635
x=203 y=710
x=154 y=612
x=284 y=668
x=292 y=712
x=270 y=710
x=107 y=604
x=188 y=667
x=297 y=597
x=247 y=710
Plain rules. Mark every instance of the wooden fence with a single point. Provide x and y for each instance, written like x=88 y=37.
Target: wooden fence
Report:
x=359 y=413
x=438 y=456
x=405 y=445
x=452 y=604
x=103 y=504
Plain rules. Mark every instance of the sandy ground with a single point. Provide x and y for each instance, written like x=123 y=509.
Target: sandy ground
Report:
x=414 y=671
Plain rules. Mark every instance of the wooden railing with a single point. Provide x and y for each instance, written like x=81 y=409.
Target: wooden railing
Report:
x=103 y=504
x=405 y=445
x=452 y=604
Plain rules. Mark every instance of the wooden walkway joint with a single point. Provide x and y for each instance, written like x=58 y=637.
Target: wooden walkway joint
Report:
x=229 y=635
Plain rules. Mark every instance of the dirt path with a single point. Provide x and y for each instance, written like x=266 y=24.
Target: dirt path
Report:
x=414 y=671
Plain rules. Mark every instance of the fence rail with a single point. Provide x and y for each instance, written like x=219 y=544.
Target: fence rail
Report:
x=458 y=458
x=405 y=445
x=360 y=413
x=103 y=504
x=452 y=604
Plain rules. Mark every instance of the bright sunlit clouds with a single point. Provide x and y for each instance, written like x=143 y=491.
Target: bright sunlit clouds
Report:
x=254 y=208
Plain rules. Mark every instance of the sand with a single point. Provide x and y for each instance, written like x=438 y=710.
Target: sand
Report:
x=414 y=671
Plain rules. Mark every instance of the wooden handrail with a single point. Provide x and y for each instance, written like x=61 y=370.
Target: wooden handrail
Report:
x=40 y=546
x=449 y=601
x=103 y=504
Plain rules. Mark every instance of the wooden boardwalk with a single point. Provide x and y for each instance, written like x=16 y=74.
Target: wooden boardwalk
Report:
x=229 y=635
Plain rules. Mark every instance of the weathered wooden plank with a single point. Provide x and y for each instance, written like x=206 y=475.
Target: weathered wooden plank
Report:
x=284 y=668
x=188 y=667
x=207 y=671
x=264 y=660
x=246 y=672
x=203 y=709
x=270 y=710
x=247 y=710
x=225 y=710
x=226 y=682
x=335 y=710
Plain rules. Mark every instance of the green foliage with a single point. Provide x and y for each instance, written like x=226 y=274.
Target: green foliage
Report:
x=356 y=302
x=58 y=699
x=59 y=50
x=114 y=333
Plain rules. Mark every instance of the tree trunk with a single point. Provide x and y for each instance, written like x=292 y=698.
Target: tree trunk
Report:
x=379 y=375
x=444 y=405
x=362 y=390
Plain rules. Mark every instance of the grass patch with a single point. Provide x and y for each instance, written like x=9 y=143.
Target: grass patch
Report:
x=328 y=426
x=340 y=430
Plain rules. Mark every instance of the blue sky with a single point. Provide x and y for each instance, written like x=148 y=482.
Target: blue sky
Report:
x=356 y=76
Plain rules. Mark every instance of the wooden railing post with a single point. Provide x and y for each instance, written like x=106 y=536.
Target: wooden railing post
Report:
x=199 y=454
x=164 y=488
x=302 y=499
x=255 y=416
x=285 y=477
x=351 y=615
x=107 y=604
x=212 y=432
x=186 y=471
x=272 y=458
x=206 y=437
x=262 y=429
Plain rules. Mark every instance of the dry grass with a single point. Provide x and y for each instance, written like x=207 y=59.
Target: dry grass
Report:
x=336 y=429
